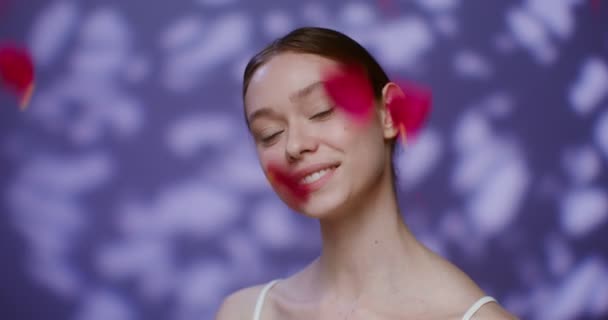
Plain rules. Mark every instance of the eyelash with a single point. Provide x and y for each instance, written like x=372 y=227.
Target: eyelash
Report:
x=323 y=114
x=271 y=137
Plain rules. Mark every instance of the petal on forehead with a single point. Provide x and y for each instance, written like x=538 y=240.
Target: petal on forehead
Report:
x=350 y=89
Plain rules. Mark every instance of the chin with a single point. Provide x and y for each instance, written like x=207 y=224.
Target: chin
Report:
x=321 y=206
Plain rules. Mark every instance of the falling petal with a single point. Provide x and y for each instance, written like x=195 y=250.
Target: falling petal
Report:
x=409 y=105
x=388 y=7
x=4 y=6
x=349 y=87
x=17 y=72
x=595 y=4
x=281 y=180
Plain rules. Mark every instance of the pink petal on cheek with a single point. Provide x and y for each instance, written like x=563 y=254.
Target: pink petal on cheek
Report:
x=350 y=89
x=17 y=72
x=282 y=181
x=410 y=108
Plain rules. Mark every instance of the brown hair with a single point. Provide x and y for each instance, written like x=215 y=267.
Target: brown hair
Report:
x=323 y=42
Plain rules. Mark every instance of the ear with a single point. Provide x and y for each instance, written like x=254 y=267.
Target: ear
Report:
x=389 y=93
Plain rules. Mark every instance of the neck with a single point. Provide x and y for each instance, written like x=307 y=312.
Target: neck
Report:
x=366 y=248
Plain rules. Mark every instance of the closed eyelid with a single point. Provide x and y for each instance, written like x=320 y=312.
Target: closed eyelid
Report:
x=323 y=112
x=260 y=131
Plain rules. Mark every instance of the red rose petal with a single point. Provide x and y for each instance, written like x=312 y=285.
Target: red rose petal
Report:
x=350 y=89
x=409 y=108
x=296 y=193
x=17 y=72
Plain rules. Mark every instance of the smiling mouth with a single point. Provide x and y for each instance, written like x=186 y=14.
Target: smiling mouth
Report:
x=316 y=176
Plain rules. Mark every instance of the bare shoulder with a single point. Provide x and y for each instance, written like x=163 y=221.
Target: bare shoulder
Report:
x=493 y=311
x=239 y=304
x=450 y=279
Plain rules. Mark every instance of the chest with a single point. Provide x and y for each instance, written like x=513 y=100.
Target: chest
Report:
x=300 y=312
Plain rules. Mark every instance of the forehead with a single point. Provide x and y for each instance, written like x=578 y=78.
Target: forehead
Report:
x=284 y=74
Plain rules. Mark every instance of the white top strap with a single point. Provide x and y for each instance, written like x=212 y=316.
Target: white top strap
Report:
x=476 y=306
x=260 y=302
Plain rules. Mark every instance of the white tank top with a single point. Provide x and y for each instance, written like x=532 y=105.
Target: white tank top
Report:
x=262 y=296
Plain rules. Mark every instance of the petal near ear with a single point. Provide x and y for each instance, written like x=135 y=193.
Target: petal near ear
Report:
x=409 y=106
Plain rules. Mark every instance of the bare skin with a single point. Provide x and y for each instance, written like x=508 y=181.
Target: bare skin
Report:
x=371 y=266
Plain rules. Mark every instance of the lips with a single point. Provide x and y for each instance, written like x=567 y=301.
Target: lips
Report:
x=302 y=173
x=291 y=182
x=315 y=176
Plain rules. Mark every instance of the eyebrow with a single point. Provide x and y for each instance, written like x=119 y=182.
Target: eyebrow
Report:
x=262 y=112
x=266 y=111
x=305 y=91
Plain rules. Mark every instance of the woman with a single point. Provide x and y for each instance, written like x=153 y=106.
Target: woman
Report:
x=371 y=266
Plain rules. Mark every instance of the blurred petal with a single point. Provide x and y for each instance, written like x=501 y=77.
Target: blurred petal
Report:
x=17 y=72
x=350 y=89
x=409 y=105
x=4 y=6
x=282 y=181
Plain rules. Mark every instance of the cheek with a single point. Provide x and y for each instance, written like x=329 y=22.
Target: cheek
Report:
x=269 y=155
x=349 y=136
x=265 y=156
x=340 y=132
x=364 y=151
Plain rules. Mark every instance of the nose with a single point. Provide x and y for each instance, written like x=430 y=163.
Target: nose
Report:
x=299 y=141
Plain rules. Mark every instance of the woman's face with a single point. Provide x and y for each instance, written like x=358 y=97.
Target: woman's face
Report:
x=296 y=126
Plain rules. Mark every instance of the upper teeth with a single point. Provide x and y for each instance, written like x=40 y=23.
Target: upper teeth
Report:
x=315 y=175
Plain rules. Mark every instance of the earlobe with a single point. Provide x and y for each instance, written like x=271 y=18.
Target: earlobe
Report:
x=389 y=93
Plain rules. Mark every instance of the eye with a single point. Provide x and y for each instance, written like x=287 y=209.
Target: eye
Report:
x=270 y=138
x=324 y=114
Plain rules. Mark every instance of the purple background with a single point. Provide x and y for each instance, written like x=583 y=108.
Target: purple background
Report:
x=131 y=190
